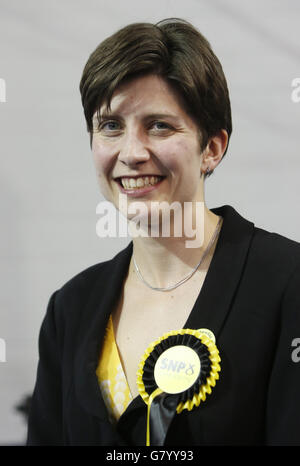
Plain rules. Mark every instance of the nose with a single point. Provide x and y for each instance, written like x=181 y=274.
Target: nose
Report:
x=133 y=150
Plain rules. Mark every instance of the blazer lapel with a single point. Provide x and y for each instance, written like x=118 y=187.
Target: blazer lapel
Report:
x=94 y=320
x=214 y=301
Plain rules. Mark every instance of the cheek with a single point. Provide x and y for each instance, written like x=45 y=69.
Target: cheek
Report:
x=179 y=155
x=103 y=162
x=103 y=159
x=169 y=153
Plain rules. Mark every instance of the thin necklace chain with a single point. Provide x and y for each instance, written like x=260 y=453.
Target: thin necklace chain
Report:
x=171 y=287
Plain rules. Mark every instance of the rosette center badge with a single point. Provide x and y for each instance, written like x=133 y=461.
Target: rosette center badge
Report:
x=177 y=369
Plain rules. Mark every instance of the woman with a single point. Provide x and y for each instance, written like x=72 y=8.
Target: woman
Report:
x=158 y=112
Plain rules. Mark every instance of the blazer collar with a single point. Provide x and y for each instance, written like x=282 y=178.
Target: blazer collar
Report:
x=210 y=310
x=214 y=301
x=95 y=316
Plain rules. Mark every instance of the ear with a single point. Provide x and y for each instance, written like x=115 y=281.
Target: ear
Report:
x=214 y=151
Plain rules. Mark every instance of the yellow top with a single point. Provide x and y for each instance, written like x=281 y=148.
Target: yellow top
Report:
x=112 y=380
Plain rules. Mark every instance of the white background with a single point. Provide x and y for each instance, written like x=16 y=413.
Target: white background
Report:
x=48 y=187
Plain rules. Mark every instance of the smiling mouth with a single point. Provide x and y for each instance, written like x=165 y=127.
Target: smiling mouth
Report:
x=139 y=182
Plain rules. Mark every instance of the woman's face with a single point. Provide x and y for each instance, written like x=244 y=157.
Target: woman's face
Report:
x=147 y=147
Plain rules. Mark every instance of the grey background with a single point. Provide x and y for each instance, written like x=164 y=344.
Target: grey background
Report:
x=48 y=187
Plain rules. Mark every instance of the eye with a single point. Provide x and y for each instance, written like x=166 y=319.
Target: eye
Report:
x=160 y=127
x=110 y=125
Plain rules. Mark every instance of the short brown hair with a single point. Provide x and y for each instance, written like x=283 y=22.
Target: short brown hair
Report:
x=172 y=49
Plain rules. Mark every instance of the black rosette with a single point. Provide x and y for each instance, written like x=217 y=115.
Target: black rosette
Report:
x=164 y=405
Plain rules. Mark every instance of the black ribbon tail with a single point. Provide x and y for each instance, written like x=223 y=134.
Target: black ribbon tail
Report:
x=162 y=411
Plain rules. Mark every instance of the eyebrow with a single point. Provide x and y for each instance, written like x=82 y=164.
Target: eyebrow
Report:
x=150 y=116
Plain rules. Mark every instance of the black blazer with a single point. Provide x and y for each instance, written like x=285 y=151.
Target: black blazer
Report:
x=250 y=300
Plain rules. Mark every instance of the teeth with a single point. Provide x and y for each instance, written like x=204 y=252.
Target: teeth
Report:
x=141 y=182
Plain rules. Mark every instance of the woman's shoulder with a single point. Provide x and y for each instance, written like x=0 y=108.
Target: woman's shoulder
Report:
x=268 y=254
x=274 y=258
x=269 y=246
x=276 y=246
x=76 y=291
